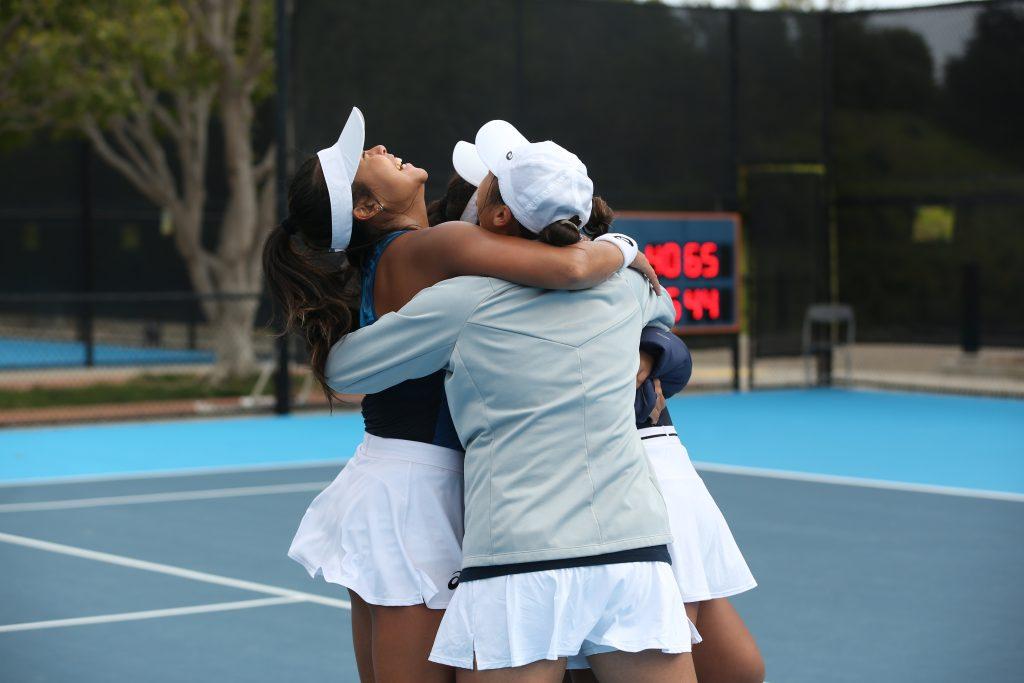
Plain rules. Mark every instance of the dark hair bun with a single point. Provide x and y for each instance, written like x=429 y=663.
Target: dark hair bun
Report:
x=601 y=217
x=561 y=233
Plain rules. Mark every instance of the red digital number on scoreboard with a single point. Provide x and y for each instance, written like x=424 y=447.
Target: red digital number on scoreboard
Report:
x=693 y=260
x=701 y=303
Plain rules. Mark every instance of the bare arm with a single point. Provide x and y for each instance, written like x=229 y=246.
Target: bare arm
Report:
x=458 y=248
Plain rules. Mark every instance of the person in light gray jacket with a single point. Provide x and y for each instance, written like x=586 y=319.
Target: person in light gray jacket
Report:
x=564 y=551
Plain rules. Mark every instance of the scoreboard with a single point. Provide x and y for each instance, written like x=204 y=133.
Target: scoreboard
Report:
x=696 y=256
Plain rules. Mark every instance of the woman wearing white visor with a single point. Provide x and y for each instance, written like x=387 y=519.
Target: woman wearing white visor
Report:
x=706 y=561
x=390 y=527
x=565 y=545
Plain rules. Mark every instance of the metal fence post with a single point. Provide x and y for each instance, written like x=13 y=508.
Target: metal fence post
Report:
x=825 y=366
x=735 y=361
x=751 y=350
x=193 y=324
x=734 y=199
x=87 y=308
x=970 y=335
x=282 y=383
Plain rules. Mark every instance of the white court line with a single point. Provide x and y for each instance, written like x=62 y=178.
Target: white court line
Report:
x=147 y=614
x=187 y=472
x=706 y=466
x=163 y=497
x=171 y=570
x=859 y=481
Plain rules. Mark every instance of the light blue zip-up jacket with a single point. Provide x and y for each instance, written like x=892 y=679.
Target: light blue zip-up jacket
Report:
x=541 y=388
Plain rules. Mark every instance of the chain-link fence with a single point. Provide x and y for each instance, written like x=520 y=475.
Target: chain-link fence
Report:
x=852 y=143
x=874 y=157
x=929 y=206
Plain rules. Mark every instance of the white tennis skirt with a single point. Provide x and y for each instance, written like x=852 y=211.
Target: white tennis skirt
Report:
x=705 y=558
x=513 y=620
x=389 y=527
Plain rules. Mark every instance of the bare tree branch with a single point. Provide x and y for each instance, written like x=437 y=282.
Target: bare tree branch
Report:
x=266 y=219
x=119 y=129
x=205 y=19
x=266 y=165
x=202 y=106
x=232 y=12
x=151 y=100
x=210 y=18
x=142 y=131
x=191 y=143
x=192 y=107
x=194 y=113
x=255 y=68
x=255 y=59
x=134 y=175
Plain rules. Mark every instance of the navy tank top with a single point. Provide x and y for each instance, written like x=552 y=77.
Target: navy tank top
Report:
x=417 y=409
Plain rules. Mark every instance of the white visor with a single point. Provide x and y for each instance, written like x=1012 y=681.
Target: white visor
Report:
x=471 y=214
x=467 y=163
x=340 y=163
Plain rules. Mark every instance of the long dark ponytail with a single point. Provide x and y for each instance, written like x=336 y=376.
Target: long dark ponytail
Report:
x=315 y=291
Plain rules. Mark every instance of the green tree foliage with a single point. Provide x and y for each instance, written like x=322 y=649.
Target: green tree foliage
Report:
x=906 y=135
x=898 y=130
x=780 y=87
x=986 y=84
x=882 y=68
x=141 y=80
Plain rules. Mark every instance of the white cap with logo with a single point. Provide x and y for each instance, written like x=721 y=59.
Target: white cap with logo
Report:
x=540 y=182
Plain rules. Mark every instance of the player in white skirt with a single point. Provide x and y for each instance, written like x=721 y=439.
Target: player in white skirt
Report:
x=565 y=546
x=706 y=561
x=705 y=558
x=390 y=526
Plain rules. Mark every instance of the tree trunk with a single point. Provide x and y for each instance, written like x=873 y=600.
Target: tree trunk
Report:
x=235 y=269
x=129 y=142
x=233 y=338
x=231 y=319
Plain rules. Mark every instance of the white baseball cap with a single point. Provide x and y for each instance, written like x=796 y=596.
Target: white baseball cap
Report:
x=540 y=182
x=339 y=163
x=468 y=164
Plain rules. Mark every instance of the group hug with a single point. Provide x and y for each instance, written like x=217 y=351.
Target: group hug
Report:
x=521 y=507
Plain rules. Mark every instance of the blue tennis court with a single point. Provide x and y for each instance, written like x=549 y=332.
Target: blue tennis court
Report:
x=884 y=530
x=22 y=354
